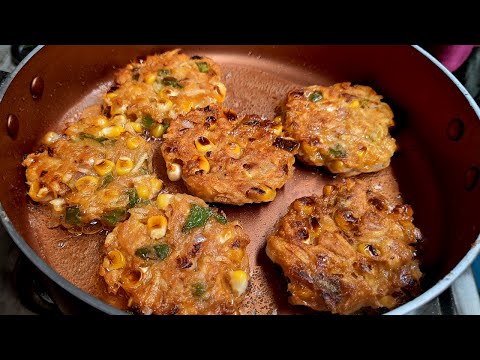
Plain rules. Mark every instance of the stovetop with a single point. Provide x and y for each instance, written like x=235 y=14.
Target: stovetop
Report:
x=22 y=285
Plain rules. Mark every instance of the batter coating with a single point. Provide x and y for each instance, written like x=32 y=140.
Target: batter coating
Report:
x=153 y=91
x=348 y=250
x=224 y=159
x=177 y=257
x=88 y=179
x=342 y=127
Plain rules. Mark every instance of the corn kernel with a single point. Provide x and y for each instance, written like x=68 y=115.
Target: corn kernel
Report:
x=234 y=150
x=50 y=137
x=203 y=163
x=337 y=166
x=277 y=129
x=277 y=119
x=109 y=194
x=133 y=127
x=174 y=171
x=112 y=95
x=226 y=235
x=33 y=191
x=163 y=200
x=58 y=204
x=355 y=104
x=131 y=279
x=328 y=190
x=42 y=192
x=143 y=192
x=113 y=131
x=103 y=167
x=164 y=104
x=158 y=130
x=157 y=225
x=203 y=144
x=221 y=90
x=114 y=260
x=388 y=301
x=157 y=185
x=118 y=109
x=134 y=142
x=239 y=281
x=120 y=120
x=124 y=165
x=86 y=182
x=261 y=193
x=150 y=78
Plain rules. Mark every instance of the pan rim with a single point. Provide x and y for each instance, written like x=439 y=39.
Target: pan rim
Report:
x=404 y=309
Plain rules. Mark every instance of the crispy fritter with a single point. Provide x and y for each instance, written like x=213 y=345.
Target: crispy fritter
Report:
x=178 y=257
x=224 y=159
x=158 y=88
x=342 y=127
x=348 y=250
x=90 y=178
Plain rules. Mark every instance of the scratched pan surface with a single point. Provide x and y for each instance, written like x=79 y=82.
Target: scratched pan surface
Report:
x=436 y=132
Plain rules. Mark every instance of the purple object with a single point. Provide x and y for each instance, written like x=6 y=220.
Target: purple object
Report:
x=451 y=56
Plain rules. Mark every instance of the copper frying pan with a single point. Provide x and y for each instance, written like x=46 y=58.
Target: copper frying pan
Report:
x=435 y=169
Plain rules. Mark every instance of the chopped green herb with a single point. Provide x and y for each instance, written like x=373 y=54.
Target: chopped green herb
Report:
x=171 y=81
x=114 y=216
x=166 y=125
x=162 y=251
x=337 y=151
x=147 y=121
x=107 y=179
x=202 y=66
x=144 y=171
x=199 y=289
x=72 y=215
x=164 y=72
x=315 y=96
x=84 y=136
x=197 y=217
x=132 y=198
x=221 y=219
x=143 y=253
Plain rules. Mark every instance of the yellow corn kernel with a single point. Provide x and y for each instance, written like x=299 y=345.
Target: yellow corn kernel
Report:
x=277 y=129
x=157 y=225
x=277 y=119
x=58 y=204
x=50 y=137
x=388 y=301
x=221 y=91
x=158 y=130
x=150 y=78
x=355 y=104
x=261 y=193
x=86 y=182
x=109 y=194
x=367 y=250
x=303 y=208
x=114 y=260
x=163 y=200
x=157 y=185
x=143 y=192
x=337 y=166
x=234 y=150
x=113 y=131
x=226 y=235
x=203 y=163
x=120 y=120
x=103 y=167
x=134 y=142
x=133 y=127
x=203 y=144
x=328 y=189
x=124 y=165
x=174 y=171
x=111 y=95
x=239 y=281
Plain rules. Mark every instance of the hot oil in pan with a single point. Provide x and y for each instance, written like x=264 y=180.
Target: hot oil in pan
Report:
x=252 y=88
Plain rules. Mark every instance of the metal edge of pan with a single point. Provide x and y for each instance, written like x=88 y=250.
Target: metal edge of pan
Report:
x=410 y=306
